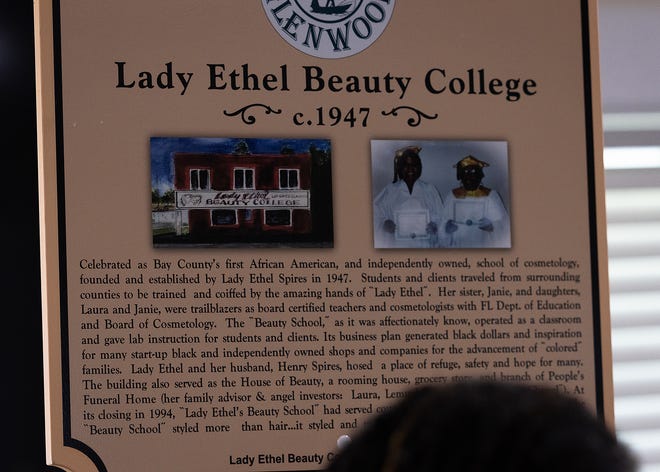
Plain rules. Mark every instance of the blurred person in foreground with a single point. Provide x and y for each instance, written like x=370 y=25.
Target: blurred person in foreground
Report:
x=485 y=426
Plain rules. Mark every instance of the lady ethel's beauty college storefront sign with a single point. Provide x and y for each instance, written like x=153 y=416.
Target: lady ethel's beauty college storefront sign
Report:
x=284 y=199
x=264 y=222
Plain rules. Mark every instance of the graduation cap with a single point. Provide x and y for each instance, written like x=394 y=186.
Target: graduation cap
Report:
x=470 y=161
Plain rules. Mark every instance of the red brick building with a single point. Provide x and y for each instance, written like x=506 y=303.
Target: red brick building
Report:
x=241 y=196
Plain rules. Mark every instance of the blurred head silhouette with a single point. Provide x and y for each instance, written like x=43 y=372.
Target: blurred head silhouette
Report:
x=485 y=426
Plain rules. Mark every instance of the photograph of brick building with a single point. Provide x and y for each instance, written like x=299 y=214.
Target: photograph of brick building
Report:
x=241 y=192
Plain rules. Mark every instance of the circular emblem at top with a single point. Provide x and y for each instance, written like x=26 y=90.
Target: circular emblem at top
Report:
x=329 y=29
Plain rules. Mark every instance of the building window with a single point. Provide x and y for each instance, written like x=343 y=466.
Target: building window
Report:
x=289 y=178
x=223 y=217
x=243 y=178
x=278 y=217
x=200 y=179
